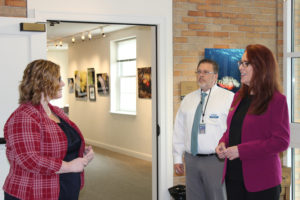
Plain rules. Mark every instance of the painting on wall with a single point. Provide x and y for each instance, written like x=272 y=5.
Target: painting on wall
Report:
x=80 y=84
x=92 y=94
x=144 y=82
x=229 y=74
x=103 y=84
x=71 y=85
x=91 y=76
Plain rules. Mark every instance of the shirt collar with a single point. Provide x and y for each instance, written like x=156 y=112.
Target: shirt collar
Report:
x=212 y=88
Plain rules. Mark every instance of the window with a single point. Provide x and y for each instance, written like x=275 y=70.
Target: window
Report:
x=292 y=87
x=123 y=76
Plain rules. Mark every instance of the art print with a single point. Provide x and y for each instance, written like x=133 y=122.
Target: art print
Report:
x=103 y=84
x=80 y=84
x=229 y=73
x=144 y=82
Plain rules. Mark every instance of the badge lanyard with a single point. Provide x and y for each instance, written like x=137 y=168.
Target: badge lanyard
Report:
x=203 y=113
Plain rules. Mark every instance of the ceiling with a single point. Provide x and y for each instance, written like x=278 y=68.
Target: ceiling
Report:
x=64 y=31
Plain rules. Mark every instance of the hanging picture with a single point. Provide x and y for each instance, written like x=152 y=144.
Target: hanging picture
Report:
x=92 y=94
x=71 y=85
x=80 y=84
x=144 y=82
x=229 y=73
x=91 y=76
x=103 y=84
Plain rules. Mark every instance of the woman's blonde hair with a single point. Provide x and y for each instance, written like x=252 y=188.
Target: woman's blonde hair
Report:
x=40 y=76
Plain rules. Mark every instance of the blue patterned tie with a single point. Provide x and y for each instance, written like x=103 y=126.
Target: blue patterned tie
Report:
x=194 y=136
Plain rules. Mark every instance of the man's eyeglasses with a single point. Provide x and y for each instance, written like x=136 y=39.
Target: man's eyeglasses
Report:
x=203 y=72
x=243 y=63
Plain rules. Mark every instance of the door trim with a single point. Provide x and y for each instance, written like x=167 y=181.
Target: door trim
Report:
x=163 y=178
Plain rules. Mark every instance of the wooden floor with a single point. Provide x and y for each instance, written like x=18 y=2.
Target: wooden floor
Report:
x=113 y=176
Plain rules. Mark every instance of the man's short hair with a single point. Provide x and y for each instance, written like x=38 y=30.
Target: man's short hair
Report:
x=214 y=64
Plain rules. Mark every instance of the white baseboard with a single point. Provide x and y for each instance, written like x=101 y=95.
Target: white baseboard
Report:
x=127 y=152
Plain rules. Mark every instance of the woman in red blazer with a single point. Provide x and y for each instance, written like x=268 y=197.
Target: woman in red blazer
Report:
x=257 y=130
x=45 y=149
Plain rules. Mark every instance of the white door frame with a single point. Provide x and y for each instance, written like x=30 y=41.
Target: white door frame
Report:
x=17 y=50
x=288 y=55
x=287 y=73
x=164 y=94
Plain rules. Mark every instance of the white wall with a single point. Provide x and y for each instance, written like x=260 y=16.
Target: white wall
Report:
x=104 y=7
x=60 y=57
x=127 y=134
x=16 y=50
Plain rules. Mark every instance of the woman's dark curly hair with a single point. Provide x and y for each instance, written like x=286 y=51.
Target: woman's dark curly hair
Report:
x=40 y=76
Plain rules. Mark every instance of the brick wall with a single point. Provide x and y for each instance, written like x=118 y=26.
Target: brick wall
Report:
x=200 y=24
x=13 y=8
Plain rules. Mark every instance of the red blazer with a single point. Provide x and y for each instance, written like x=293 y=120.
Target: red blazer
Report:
x=263 y=138
x=35 y=148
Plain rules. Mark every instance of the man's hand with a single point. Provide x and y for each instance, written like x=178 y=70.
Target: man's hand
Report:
x=179 y=169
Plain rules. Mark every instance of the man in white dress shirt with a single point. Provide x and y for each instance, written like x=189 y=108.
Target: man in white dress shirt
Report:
x=203 y=168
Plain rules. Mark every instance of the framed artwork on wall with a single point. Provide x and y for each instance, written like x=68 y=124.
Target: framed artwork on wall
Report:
x=91 y=76
x=103 y=84
x=80 y=84
x=229 y=73
x=92 y=94
x=71 y=85
x=144 y=82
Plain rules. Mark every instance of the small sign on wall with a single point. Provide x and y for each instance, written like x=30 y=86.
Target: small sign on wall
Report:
x=187 y=87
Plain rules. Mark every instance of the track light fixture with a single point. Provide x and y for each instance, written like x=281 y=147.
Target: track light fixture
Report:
x=102 y=33
x=81 y=35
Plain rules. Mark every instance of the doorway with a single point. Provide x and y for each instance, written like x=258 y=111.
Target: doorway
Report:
x=102 y=128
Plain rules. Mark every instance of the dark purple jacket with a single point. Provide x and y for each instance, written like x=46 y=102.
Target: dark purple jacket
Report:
x=263 y=138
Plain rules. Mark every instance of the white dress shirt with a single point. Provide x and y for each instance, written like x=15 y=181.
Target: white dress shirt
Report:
x=215 y=108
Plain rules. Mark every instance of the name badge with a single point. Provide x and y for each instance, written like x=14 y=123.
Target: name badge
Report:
x=201 y=128
x=214 y=116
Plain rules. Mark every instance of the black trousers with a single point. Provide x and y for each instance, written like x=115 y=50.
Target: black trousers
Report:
x=236 y=191
x=9 y=197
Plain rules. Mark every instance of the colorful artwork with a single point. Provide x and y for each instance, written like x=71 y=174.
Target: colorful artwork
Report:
x=229 y=73
x=80 y=84
x=91 y=76
x=103 y=84
x=144 y=82
x=71 y=85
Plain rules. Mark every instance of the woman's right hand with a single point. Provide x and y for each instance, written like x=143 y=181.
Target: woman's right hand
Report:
x=76 y=165
x=220 y=150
